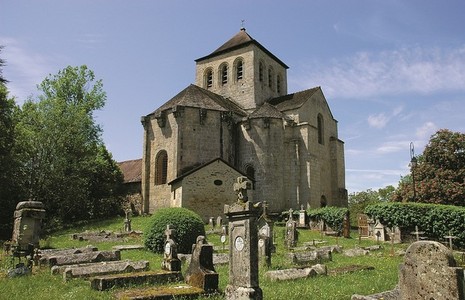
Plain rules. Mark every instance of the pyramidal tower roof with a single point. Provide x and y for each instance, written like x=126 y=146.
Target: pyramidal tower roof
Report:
x=240 y=40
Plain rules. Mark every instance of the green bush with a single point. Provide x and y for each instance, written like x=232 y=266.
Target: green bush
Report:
x=188 y=226
x=435 y=220
x=333 y=216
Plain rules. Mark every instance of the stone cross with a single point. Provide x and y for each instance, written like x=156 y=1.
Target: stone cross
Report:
x=241 y=186
x=450 y=237
x=417 y=233
x=171 y=261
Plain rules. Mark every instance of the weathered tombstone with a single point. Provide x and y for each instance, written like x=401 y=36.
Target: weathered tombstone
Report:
x=171 y=261
x=265 y=228
x=430 y=271
x=291 y=232
x=346 y=226
x=201 y=272
x=224 y=229
x=211 y=223
x=219 y=222
x=362 y=225
x=243 y=246
x=303 y=217
x=379 y=232
x=27 y=225
x=264 y=251
x=127 y=223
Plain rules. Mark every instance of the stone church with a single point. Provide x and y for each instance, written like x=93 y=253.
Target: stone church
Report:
x=238 y=120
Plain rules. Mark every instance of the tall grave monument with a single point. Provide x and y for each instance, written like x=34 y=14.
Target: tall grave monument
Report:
x=243 y=246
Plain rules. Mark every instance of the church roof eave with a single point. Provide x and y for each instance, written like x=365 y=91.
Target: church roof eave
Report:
x=197 y=97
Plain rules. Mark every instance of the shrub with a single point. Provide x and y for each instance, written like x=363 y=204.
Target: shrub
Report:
x=332 y=216
x=435 y=220
x=188 y=226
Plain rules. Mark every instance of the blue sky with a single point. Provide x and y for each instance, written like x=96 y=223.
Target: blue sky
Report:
x=393 y=72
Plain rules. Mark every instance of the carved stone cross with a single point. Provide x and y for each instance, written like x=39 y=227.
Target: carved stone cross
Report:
x=241 y=186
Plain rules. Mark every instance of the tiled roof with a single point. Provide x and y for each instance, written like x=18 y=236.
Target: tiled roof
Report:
x=195 y=96
x=132 y=170
x=293 y=101
x=267 y=111
x=239 y=40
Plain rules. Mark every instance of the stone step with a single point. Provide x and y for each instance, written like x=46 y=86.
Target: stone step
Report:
x=161 y=293
x=104 y=268
x=102 y=283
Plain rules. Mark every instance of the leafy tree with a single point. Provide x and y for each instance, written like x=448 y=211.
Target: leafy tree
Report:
x=360 y=200
x=2 y=63
x=66 y=163
x=10 y=188
x=440 y=172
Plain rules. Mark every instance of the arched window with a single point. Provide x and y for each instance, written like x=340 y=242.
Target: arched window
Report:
x=278 y=84
x=161 y=167
x=320 y=127
x=239 y=69
x=224 y=74
x=323 y=202
x=250 y=172
x=270 y=78
x=260 y=71
x=208 y=78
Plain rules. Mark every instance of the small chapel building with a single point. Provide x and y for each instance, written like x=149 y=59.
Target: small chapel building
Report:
x=238 y=120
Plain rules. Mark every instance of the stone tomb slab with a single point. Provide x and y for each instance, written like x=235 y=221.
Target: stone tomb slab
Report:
x=161 y=293
x=302 y=258
x=45 y=254
x=296 y=273
x=106 y=282
x=85 y=257
x=104 y=268
x=128 y=247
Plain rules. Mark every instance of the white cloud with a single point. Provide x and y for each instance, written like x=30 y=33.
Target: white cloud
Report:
x=406 y=70
x=23 y=69
x=426 y=130
x=378 y=121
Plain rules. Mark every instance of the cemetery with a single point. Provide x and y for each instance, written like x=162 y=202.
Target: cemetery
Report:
x=245 y=254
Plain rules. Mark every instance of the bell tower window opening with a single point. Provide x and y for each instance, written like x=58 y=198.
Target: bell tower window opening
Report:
x=224 y=74
x=260 y=71
x=239 y=70
x=208 y=78
x=161 y=168
x=278 y=84
x=320 y=127
x=270 y=78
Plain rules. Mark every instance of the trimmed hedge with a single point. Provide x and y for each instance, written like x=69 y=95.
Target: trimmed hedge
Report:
x=332 y=216
x=188 y=226
x=435 y=220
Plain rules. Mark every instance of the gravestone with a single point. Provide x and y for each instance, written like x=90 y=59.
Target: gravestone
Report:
x=430 y=271
x=346 y=226
x=362 y=225
x=211 y=222
x=379 y=232
x=292 y=274
x=306 y=257
x=201 y=272
x=243 y=245
x=171 y=261
x=450 y=237
x=264 y=251
x=27 y=225
x=266 y=232
x=127 y=223
x=394 y=234
x=291 y=232
x=303 y=217
x=219 y=222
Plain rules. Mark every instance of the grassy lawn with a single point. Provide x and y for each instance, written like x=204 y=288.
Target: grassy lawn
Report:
x=43 y=285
